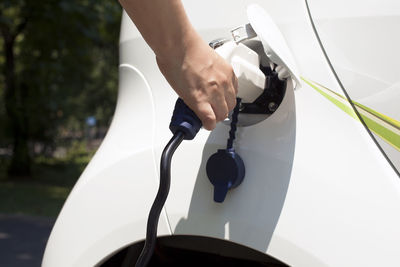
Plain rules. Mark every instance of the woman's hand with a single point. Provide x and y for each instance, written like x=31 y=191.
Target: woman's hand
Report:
x=203 y=79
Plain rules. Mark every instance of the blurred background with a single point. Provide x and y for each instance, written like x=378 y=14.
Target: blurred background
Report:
x=58 y=88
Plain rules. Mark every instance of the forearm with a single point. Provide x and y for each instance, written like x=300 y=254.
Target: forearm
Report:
x=162 y=23
x=196 y=72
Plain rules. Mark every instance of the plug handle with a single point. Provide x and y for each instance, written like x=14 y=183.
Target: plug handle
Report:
x=184 y=120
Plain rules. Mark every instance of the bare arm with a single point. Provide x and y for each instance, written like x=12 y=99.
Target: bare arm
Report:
x=200 y=76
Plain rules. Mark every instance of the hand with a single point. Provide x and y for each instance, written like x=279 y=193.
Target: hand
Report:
x=203 y=79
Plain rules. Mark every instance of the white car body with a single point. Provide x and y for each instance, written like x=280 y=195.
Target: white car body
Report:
x=319 y=190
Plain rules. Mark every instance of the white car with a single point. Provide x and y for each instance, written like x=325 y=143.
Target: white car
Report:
x=321 y=151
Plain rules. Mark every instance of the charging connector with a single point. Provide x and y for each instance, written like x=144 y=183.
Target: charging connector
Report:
x=184 y=126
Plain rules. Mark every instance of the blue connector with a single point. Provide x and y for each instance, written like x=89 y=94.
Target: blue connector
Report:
x=184 y=125
x=225 y=169
x=184 y=120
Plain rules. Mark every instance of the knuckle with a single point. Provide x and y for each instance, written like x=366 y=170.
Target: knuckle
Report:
x=224 y=81
x=212 y=85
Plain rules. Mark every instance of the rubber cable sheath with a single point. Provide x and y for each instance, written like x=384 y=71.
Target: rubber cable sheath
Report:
x=158 y=204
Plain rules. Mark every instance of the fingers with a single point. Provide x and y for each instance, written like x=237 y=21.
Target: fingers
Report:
x=204 y=80
x=230 y=104
x=206 y=114
x=235 y=83
x=231 y=92
x=220 y=109
x=222 y=100
x=211 y=112
x=216 y=107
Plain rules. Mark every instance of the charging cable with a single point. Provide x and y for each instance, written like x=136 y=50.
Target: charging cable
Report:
x=184 y=126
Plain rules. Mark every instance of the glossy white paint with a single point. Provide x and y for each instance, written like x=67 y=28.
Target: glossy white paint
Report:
x=317 y=190
x=362 y=42
x=103 y=211
x=274 y=43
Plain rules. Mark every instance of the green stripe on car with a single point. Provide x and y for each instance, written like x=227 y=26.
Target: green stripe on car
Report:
x=384 y=126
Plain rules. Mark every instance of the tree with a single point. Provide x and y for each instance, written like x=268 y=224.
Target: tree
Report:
x=13 y=95
x=55 y=52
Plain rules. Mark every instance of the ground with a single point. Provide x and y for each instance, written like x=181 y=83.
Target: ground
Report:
x=23 y=239
x=29 y=206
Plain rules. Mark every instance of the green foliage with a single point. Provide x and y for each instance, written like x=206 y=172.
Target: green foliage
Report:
x=47 y=192
x=65 y=69
x=33 y=199
x=65 y=64
x=78 y=153
x=52 y=181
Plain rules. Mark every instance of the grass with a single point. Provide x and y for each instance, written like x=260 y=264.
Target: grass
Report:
x=46 y=191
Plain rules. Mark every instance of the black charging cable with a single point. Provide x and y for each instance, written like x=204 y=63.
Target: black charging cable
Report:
x=163 y=190
x=184 y=126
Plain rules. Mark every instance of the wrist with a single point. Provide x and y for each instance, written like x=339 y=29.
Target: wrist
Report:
x=174 y=47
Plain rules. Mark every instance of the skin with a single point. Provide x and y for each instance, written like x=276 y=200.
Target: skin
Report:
x=203 y=79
